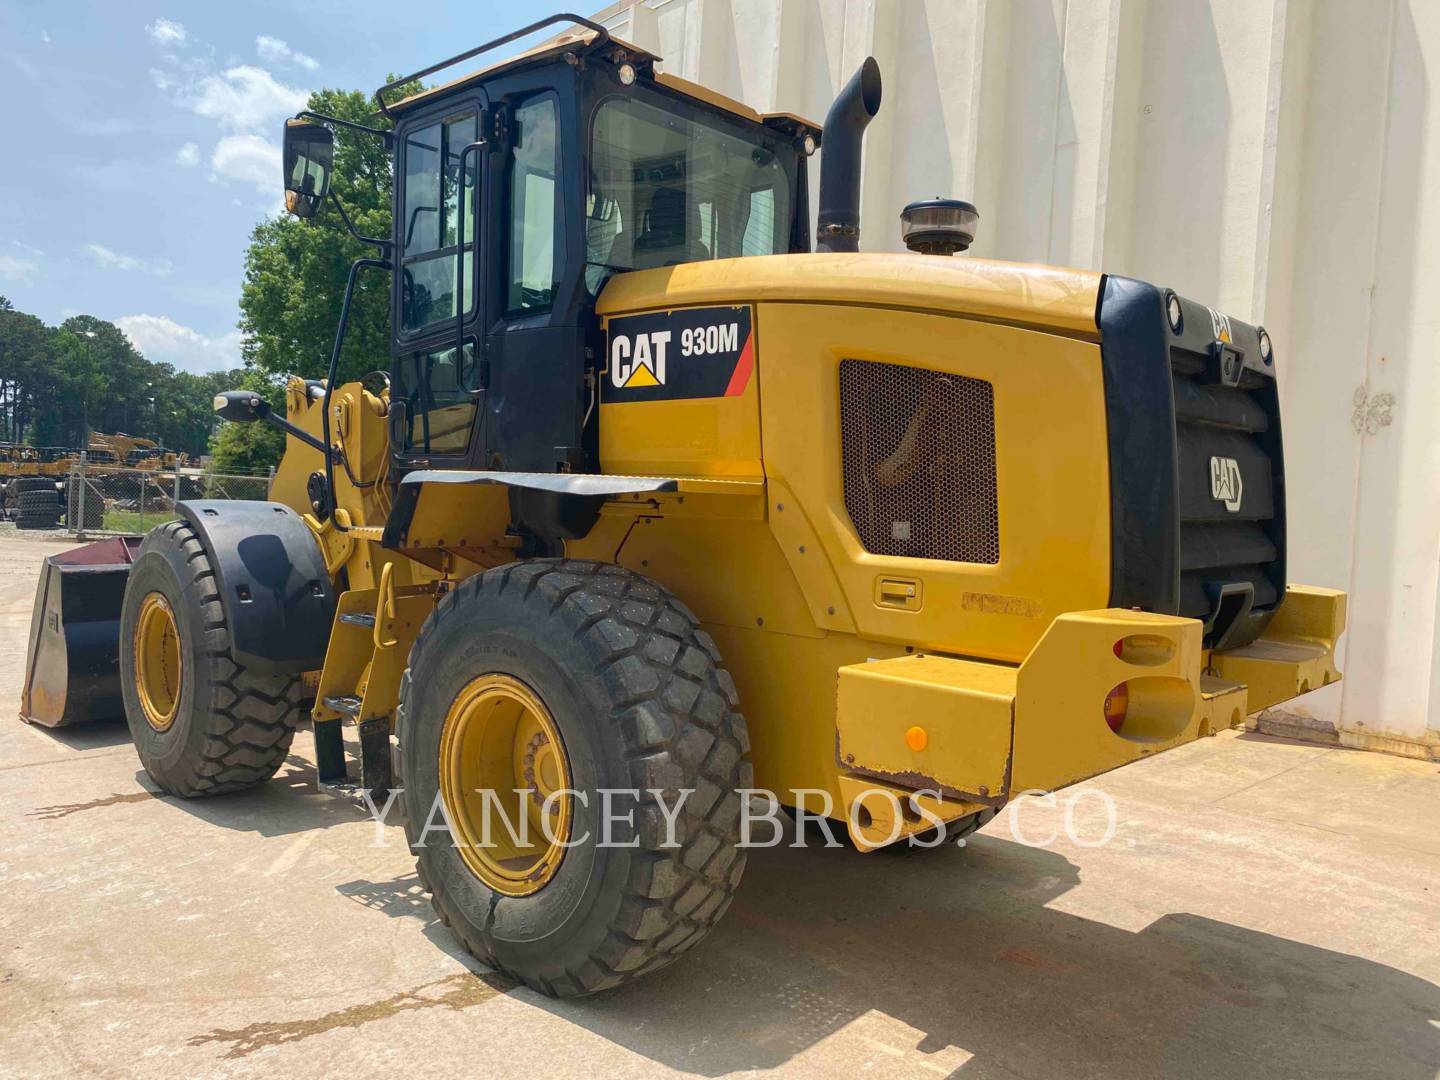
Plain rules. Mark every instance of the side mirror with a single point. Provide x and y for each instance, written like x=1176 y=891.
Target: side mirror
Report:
x=246 y=406
x=241 y=406
x=309 y=151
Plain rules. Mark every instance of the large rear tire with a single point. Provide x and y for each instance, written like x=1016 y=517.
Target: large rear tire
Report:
x=202 y=724
x=609 y=682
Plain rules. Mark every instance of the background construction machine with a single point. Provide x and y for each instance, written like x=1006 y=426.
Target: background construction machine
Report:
x=656 y=500
x=134 y=451
x=35 y=488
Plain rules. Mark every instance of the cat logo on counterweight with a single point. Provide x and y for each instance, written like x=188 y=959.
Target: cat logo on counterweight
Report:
x=1226 y=484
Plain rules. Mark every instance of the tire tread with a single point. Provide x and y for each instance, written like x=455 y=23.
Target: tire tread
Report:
x=252 y=717
x=675 y=719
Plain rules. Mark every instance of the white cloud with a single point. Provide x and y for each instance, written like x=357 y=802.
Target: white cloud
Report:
x=166 y=33
x=244 y=98
x=113 y=260
x=248 y=158
x=14 y=268
x=274 y=51
x=161 y=338
x=45 y=36
x=244 y=101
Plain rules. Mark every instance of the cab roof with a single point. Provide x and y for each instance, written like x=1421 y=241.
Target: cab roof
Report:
x=619 y=50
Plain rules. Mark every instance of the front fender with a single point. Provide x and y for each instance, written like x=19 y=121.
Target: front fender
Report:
x=279 y=601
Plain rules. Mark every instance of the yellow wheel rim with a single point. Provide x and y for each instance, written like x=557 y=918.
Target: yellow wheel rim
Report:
x=502 y=761
x=158 y=666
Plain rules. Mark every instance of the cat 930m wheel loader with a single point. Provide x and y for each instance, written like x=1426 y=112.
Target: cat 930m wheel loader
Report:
x=657 y=507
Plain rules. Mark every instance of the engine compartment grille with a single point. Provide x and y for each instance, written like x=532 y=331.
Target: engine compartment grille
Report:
x=918 y=452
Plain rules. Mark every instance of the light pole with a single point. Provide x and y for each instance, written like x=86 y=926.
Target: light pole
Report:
x=89 y=336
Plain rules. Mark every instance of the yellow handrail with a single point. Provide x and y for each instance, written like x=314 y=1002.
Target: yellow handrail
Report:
x=384 y=607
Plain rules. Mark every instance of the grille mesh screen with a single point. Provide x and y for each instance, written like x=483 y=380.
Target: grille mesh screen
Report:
x=918 y=449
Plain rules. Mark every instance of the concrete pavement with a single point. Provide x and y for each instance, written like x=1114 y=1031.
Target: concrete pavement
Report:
x=1263 y=908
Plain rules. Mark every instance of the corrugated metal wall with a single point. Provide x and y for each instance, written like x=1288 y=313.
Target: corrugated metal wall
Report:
x=1275 y=158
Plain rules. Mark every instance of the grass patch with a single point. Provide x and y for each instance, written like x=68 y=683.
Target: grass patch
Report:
x=131 y=521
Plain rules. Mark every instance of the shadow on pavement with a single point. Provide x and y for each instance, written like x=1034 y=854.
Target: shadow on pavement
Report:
x=960 y=946
x=97 y=735
x=286 y=804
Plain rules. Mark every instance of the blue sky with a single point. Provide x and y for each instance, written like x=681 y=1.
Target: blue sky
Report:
x=142 y=144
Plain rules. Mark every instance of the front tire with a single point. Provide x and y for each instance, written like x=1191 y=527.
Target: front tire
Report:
x=201 y=723
x=600 y=666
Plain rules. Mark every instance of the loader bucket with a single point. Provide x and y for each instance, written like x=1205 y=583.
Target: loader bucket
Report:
x=72 y=669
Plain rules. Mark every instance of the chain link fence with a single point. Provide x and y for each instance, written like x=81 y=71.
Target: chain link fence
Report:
x=93 y=499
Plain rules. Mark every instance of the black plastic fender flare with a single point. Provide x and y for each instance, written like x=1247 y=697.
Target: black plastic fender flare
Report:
x=279 y=600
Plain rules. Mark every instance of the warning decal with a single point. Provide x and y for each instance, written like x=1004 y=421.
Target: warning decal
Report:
x=689 y=353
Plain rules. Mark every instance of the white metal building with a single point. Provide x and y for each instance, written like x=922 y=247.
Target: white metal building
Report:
x=1277 y=159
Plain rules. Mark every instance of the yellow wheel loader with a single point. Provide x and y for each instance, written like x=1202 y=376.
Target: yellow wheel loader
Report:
x=661 y=509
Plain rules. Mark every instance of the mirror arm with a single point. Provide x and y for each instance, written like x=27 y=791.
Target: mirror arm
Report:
x=383 y=245
x=288 y=428
x=246 y=406
x=330 y=374
x=381 y=132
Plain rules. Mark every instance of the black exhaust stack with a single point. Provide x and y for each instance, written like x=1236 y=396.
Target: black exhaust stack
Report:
x=840 y=143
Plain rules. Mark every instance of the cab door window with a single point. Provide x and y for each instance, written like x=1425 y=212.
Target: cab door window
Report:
x=534 y=226
x=429 y=233
x=439 y=409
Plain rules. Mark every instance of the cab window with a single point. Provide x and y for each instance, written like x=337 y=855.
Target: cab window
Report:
x=439 y=409
x=429 y=233
x=533 y=226
x=678 y=184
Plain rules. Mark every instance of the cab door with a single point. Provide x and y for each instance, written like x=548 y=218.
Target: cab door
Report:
x=437 y=378
x=536 y=345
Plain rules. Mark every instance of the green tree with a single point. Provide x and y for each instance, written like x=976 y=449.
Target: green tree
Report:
x=96 y=376
x=55 y=380
x=25 y=344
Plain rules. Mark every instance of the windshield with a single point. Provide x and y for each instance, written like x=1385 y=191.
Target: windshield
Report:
x=674 y=184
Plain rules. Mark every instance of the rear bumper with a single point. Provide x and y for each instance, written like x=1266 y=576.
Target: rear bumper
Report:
x=980 y=733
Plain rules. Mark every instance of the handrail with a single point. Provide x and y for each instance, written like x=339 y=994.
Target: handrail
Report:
x=384 y=608
x=602 y=38
x=330 y=376
x=461 y=310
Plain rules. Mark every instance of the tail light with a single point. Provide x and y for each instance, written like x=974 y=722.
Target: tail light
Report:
x=1116 y=704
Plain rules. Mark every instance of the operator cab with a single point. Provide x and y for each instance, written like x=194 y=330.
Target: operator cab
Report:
x=532 y=183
